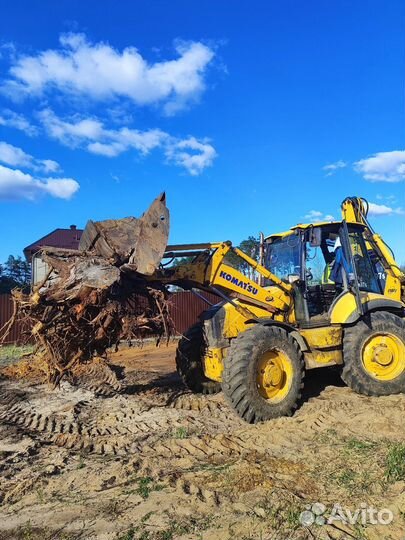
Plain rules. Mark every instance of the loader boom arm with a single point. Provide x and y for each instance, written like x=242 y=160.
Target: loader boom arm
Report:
x=208 y=271
x=355 y=210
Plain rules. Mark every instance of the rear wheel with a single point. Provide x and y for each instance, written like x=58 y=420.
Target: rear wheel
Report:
x=189 y=362
x=263 y=374
x=374 y=355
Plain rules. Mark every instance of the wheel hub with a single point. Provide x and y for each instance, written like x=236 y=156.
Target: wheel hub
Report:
x=383 y=356
x=274 y=375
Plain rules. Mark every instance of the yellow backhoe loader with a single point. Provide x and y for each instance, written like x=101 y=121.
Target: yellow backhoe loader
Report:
x=326 y=294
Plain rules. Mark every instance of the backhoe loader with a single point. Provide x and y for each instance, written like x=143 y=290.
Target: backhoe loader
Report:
x=327 y=294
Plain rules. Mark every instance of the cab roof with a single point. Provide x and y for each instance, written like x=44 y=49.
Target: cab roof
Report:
x=303 y=226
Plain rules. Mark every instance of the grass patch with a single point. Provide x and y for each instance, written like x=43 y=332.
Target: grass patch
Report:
x=360 y=447
x=129 y=534
x=28 y=532
x=327 y=436
x=40 y=494
x=146 y=485
x=284 y=517
x=177 y=528
x=395 y=463
x=180 y=433
x=355 y=482
x=11 y=353
x=191 y=525
x=346 y=478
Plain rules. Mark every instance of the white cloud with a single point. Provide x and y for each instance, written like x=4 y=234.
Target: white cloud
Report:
x=16 y=157
x=315 y=216
x=312 y=214
x=15 y=184
x=9 y=118
x=100 y=72
x=106 y=149
x=62 y=188
x=333 y=167
x=390 y=198
x=49 y=165
x=192 y=154
x=383 y=210
x=70 y=133
x=11 y=155
x=100 y=140
x=383 y=166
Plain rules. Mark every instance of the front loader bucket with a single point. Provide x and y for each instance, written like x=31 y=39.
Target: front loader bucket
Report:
x=131 y=243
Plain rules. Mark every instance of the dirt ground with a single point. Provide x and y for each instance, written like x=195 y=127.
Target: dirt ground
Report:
x=151 y=461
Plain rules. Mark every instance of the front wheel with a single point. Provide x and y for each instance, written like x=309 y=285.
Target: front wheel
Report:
x=263 y=374
x=374 y=355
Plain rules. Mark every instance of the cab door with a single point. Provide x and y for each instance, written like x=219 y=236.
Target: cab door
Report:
x=363 y=278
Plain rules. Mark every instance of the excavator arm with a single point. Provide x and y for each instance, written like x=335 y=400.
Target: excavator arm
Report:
x=209 y=271
x=355 y=210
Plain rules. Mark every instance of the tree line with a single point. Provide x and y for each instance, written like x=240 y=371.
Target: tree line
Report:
x=250 y=246
x=15 y=272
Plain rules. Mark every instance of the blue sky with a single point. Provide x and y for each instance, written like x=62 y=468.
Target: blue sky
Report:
x=251 y=115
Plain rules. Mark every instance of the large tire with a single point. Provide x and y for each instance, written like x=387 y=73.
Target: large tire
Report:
x=189 y=363
x=242 y=367
x=379 y=331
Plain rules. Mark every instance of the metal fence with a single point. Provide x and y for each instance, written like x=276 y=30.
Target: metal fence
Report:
x=19 y=333
x=185 y=308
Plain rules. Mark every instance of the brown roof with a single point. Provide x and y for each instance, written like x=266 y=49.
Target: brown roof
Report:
x=61 y=238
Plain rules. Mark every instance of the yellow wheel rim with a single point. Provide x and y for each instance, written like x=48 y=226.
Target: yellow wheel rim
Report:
x=274 y=375
x=383 y=356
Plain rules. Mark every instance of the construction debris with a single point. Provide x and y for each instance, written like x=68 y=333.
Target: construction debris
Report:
x=93 y=298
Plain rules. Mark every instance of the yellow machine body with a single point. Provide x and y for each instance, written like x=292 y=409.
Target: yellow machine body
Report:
x=322 y=345
x=270 y=300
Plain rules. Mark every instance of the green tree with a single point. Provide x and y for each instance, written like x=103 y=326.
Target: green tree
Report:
x=251 y=247
x=15 y=272
x=182 y=260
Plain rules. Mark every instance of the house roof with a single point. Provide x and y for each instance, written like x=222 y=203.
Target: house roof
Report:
x=60 y=238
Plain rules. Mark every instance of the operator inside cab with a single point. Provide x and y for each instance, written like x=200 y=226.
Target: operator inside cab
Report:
x=337 y=270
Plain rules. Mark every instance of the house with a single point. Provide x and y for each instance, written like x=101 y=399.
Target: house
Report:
x=59 y=238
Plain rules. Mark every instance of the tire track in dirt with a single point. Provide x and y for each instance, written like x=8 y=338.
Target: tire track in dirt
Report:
x=127 y=429
x=193 y=447
x=343 y=410
x=120 y=429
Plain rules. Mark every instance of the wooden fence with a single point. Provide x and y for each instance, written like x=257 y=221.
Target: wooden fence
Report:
x=185 y=308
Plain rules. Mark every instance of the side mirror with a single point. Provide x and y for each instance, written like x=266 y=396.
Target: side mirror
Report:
x=293 y=278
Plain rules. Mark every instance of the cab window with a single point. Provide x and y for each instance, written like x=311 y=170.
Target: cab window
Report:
x=316 y=266
x=283 y=256
x=366 y=274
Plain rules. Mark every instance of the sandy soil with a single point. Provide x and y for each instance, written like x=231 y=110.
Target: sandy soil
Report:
x=147 y=460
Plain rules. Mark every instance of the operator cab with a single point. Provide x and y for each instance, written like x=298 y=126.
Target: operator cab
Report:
x=322 y=262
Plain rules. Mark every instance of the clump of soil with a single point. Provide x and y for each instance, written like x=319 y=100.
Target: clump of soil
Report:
x=94 y=297
x=32 y=369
